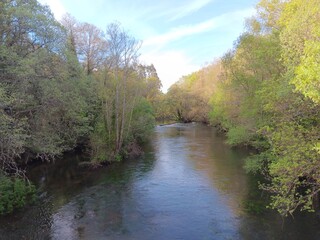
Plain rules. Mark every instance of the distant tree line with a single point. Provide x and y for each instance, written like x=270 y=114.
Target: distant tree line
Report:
x=189 y=99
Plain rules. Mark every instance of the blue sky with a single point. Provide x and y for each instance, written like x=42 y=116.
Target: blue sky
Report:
x=179 y=36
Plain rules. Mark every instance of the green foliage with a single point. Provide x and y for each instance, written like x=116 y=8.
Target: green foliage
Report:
x=268 y=97
x=118 y=158
x=308 y=72
x=43 y=93
x=12 y=131
x=300 y=45
x=57 y=91
x=100 y=142
x=188 y=99
x=126 y=92
x=15 y=193
x=265 y=92
x=254 y=164
x=295 y=170
x=238 y=135
x=259 y=163
x=143 y=120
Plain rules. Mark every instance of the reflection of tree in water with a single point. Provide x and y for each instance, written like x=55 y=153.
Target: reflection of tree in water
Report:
x=109 y=204
x=222 y=165
x=129 y=198
x=33 y=223
x=173 y=130
x=267 y=224
x=74 y=197
x=61 y=179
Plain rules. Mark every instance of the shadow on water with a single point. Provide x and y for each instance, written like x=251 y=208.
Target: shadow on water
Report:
x=188 y=185
x=65 y=187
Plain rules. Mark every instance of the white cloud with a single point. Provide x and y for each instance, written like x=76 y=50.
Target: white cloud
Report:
x=177 y=33
x=170 y=66
x=186 y=30
x=189 y=8
x=173 y=12
x=56 y=7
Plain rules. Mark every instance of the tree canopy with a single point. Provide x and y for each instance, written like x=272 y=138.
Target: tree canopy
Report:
x=64 y=85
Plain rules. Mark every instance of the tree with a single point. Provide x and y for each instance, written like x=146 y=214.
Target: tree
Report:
x=256 y=100
x=152 y=84
x=91 y=46
x=87 y=41
x=122 y=57
x=300 y=45
x=189 y=98
x=50 y=104
x=72 y=27
x=42 y=79
x=121 y=84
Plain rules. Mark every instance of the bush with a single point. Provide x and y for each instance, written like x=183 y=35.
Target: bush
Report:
x=238 y=135
x=14 y=193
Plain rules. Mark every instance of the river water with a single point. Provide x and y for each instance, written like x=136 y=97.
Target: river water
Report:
x=188 y=185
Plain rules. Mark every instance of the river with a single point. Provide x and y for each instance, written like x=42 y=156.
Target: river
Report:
x=188 y=185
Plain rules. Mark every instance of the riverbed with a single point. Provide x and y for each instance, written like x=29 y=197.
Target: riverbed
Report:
x=189 y=184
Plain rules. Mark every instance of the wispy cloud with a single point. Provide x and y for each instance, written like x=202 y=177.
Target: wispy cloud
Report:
x=187 y=9
x=187 y=30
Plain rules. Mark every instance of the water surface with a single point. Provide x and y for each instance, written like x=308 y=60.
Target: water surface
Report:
x=188 y=185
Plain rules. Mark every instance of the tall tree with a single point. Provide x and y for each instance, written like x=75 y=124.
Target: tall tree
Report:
x=122 y=59
x=91 y=46
x=120 y=87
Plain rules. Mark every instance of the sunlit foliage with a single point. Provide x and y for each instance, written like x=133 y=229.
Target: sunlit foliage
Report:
x=257 y=104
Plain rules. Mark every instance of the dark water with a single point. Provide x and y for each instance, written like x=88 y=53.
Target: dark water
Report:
x=188 y=185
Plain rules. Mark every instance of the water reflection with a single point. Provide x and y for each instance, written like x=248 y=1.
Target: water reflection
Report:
x=188 y=185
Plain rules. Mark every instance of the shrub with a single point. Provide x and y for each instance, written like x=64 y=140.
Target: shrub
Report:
x=14 y=193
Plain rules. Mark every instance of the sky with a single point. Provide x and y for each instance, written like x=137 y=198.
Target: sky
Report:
x=178 y=36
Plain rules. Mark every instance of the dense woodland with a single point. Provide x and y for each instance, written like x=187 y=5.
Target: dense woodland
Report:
x=67 y=84
x=64 y=85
